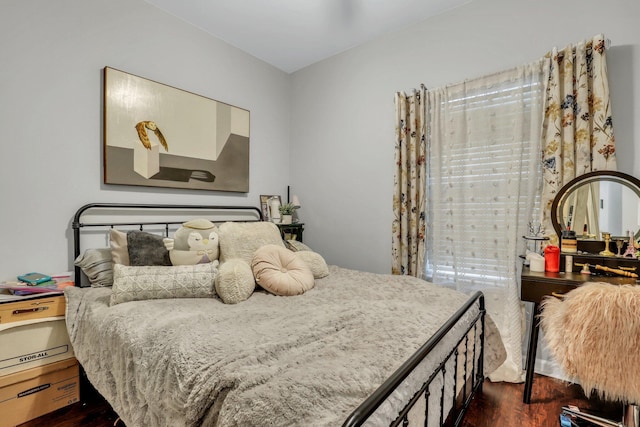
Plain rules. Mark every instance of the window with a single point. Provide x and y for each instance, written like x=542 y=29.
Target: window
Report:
x=483 y=177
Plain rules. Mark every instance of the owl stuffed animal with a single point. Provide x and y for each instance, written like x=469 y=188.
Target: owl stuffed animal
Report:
x=195 y=242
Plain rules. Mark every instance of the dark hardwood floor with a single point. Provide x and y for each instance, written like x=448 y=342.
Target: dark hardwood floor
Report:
x=92 y=411
x=499 y=405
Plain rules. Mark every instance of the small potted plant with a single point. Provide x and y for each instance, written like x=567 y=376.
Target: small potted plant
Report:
x=287 y=210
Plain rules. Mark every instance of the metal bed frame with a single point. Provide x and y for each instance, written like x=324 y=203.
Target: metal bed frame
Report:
x=468 y=390
x=475 y=331
x=77 y=223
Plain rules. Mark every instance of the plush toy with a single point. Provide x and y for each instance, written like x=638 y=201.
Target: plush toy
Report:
x=195 y=242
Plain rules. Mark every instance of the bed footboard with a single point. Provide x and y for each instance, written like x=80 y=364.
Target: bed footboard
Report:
x=443 y=395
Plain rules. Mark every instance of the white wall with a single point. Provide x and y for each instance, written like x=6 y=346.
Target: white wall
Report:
x=342 y=127
x=338 y=114
x=53 y=53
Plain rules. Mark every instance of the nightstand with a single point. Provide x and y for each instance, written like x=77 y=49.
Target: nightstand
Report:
x=38 y=370
x=291 y=231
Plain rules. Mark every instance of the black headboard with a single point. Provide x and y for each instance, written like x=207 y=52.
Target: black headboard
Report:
x=165 y=215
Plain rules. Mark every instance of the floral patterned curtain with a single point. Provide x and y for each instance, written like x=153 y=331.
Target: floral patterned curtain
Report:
x=410 y=184
x=577 y=132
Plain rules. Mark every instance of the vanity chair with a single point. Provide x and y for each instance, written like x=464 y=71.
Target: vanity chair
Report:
x=593 y=332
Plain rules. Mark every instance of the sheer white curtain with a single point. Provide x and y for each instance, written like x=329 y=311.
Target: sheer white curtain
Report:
x=483 y=176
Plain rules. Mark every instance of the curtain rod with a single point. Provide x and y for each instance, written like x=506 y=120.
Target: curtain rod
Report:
x=607 y=45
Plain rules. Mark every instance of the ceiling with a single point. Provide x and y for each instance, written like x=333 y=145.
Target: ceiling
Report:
x=291 y=34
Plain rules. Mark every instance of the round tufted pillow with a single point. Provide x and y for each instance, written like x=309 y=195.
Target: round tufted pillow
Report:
x=278 y=271
x=235 y=281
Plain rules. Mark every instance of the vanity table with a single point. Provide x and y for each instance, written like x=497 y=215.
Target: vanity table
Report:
x=534 y=287
x=599 y=203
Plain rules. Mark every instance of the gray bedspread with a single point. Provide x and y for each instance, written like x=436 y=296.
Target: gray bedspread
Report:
x=302 y=360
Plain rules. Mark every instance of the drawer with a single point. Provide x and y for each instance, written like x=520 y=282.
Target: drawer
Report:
x=32 y=343
x=37 y=391
x=32 y=309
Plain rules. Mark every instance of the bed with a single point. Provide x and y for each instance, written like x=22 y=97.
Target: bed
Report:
x=356 y=349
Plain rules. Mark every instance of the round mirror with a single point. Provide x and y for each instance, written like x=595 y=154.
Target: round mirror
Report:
x=596 y=202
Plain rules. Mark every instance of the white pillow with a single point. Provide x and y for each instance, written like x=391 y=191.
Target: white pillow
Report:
x=235 y=282
x=315 y=262
x=119 y=249
x=155 y=282
x=242 y=239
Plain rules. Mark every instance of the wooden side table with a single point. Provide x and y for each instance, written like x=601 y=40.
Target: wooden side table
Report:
x=534 y=287
x=291 y=231
x=39 y=372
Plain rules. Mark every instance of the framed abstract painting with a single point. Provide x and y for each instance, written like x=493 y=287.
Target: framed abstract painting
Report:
x=159 y=136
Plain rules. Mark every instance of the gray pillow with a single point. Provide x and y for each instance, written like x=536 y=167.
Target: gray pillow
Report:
x=97 y=265
x=146 y=249
x=158 y=282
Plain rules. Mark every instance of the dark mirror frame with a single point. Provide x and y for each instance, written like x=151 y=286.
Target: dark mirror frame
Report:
x=629 y=181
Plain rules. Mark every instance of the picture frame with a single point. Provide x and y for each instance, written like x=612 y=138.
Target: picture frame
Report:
x=264 y=205
x=160 y=136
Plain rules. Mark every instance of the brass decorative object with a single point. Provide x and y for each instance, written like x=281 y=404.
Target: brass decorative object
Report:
x=607 y=239
x=621 y=271
x=617 y=271
x=585 y=268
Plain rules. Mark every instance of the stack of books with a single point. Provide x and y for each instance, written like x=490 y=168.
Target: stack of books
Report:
x=11 y=290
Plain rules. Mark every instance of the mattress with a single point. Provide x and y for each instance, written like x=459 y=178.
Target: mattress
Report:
x=270 y=360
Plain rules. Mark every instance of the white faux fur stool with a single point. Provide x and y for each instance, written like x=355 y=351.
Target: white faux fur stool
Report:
x=594 y=334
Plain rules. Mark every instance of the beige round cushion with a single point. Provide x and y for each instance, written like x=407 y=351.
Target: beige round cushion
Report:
x=235 y=281
x=278 y=271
